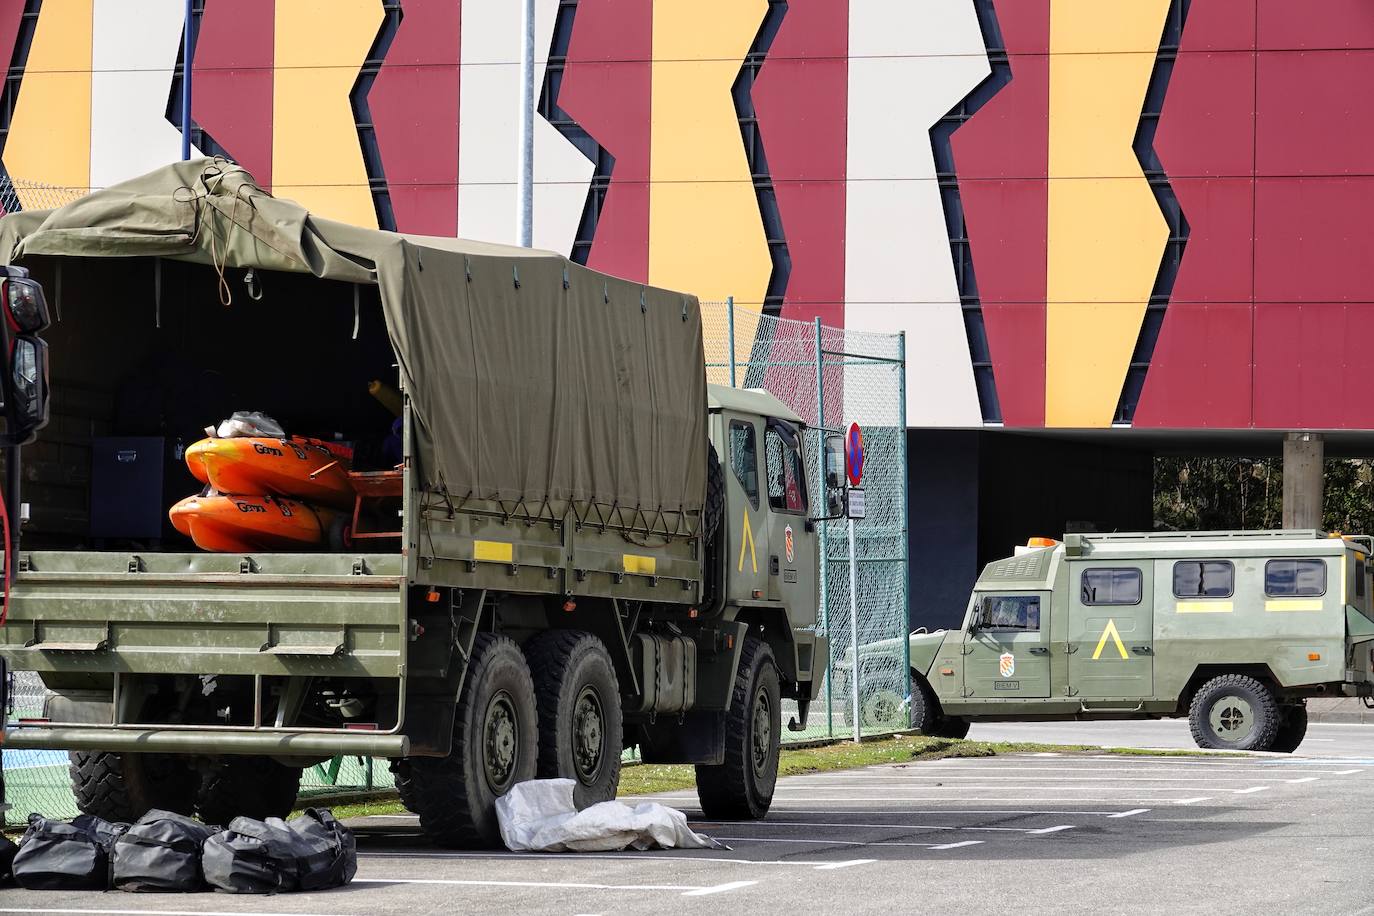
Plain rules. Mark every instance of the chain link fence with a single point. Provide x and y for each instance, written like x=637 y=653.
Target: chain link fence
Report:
x=830 y=377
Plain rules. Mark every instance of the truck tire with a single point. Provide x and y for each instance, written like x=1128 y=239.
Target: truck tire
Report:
x=741 y=788
x=714 y=509
x=580 y=727
x=1235 y=712
x=495 y=746
x=246 y=786
x=1292 y=731
x=122 y=787
x=926 y=716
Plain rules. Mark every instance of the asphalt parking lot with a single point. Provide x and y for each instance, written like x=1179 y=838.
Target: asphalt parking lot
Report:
x=1034 y=832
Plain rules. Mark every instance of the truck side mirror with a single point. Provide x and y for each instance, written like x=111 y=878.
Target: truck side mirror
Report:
x=25 y=374
x=833 y=472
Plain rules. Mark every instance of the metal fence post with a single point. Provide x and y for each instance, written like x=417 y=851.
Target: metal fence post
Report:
x=905 y=521
x=730 y=319
x=186 y=84
x=824 y=616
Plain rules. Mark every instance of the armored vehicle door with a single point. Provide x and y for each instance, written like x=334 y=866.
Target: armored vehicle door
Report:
x=1111 y=630
x=1007 y=646
x=791 y=564
x=745 y=511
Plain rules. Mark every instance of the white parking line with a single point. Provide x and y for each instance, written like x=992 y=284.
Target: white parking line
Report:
x=958 y=845
x=1251 y=790
x=1044 y=830
x=685 y=889
x=1346 y=772
x=993 y=777
x=1132 y=813
x=619 y=857
x=1192 y=801
x=892 y=776
x=833 y=824
x=1304 y=779
x=114 y=912
x=797 y=842
x=848 y=863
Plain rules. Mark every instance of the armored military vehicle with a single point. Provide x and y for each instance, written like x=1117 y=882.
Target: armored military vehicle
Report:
x=583 y=547
x=1234 y=630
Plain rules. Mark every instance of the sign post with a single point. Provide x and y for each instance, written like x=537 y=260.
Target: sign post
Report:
x=854 y=508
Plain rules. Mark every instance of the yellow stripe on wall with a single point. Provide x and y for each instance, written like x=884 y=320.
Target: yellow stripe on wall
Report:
x=1293 y=604
x=706 y=235
x=1204 y=607
x=320 y=46
x=493 y=551
x=50 y=131
x=1106 y=233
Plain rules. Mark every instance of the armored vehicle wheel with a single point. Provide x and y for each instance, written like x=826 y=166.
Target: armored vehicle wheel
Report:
x=580 y=727
x=1235 y=712
x=256 y=787
x=495 y=746
x=741 y=788
x=926 y=715
x=122 y=787
x=1292 y=731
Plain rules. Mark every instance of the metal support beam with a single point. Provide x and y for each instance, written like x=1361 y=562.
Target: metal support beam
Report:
x=526 y=176
x=1303 y=456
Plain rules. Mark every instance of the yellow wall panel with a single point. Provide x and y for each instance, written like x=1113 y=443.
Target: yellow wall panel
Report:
x=706 y=235
x=320 y=46
x=1106 y=233
x=50 y=131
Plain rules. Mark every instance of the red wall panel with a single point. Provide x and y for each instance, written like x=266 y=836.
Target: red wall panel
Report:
x=1008 y=138
x=801 y=100
x=414 y=105
x=232 y=88
x=11 y=14
x=1316 y=115
x=1285 y=24
x=606 y=90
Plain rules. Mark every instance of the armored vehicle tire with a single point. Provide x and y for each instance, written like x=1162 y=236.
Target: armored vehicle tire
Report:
x=714 y=507
x=495 y=746
x=246 y=786
x=578 y=698
x=741 y=788
x=926 y=715
x=1292 y=731
x=122 y=787
x=1235 y=712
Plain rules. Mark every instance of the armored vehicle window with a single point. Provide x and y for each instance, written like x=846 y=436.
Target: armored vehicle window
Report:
x=786 y=473
x=1295 y=578
x=1111 y=586
x=744 y=459
x=1204 y=579
x=1010 y=612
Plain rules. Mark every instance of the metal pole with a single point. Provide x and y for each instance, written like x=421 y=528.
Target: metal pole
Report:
x=854 y=632
x=526 y=177
x=824 y=615
x=905 y=523
x=186 y=85
x=730 y=318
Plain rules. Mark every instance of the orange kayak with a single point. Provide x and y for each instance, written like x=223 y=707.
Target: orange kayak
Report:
x=272 y=467
x=239 y=524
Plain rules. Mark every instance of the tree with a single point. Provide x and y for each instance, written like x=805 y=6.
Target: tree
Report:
x=1213 y=494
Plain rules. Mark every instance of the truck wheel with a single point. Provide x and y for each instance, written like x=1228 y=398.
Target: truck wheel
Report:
x=122 y=787
x=741 y=788
x=1235 y=712
x=926 y=716
x=578 y=698
x=246 y=786
x=714 y=507
x=495 y=746
x=1292 y=731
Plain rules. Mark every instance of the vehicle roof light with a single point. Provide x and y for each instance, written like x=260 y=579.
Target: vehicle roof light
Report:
x=1042 y=542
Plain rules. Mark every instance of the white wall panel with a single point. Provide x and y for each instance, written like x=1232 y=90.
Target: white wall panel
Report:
x=488 y=134
x=133 y=59
x=909 y=64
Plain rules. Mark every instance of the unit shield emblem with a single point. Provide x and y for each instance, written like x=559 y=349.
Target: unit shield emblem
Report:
x=1006 y=664
x=787 y=541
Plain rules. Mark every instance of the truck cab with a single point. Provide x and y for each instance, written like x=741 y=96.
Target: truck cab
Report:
x=1234 y=630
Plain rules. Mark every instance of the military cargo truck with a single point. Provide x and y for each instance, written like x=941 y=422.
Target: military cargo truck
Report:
x=581 y=550
x=1234 y=630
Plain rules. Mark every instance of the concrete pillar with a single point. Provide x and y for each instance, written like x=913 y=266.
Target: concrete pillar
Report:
x=1303 y=454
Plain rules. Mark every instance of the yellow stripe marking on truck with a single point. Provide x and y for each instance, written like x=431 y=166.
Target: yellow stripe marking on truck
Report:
x=493 y=551
x=642 y=566
x=1294 y=604
x=1204 y=607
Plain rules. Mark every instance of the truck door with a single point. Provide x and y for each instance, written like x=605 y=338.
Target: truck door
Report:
x=1111 y=630
x=744 y=512
x=1007 y=647
x=791 y=559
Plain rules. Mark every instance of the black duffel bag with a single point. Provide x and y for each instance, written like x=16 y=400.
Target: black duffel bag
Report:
x=326 y=853
x=7 y=851
x=66 y=856
x=251 y=857
x=161 y=852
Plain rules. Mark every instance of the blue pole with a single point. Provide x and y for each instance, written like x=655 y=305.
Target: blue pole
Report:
x=186 y=85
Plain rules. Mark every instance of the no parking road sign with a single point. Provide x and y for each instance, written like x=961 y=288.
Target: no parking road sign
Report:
x=854 y=455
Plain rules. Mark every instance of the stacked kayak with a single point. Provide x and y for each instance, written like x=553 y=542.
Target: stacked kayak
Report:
x=263 y=494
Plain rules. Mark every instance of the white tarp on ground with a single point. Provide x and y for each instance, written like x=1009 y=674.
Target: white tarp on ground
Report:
x=539 y=816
